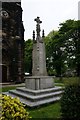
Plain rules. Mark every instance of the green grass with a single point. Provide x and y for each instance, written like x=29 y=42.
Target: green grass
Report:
x=46 y=111
x=59 y=84
x=66 y=81
x=5 y=89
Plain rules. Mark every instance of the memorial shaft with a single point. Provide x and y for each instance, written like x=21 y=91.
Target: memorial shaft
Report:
x=39 y=55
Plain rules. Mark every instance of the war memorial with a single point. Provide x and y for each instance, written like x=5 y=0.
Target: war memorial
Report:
x=39 y=88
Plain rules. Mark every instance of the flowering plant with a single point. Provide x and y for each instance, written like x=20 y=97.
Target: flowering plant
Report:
x=12 y=109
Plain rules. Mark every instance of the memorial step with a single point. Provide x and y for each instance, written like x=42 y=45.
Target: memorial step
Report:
x=34 y=98
x=35 y=104
x=39 y=92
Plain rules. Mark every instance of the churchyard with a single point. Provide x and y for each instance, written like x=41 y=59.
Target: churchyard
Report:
x=45 y=96
x=52 y=89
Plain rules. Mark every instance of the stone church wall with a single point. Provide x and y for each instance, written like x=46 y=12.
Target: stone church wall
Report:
x=12 y=42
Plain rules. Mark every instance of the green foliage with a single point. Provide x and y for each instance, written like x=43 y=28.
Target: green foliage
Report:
x=70 y=30
x=28 y=56
x=55 y=56
x=12 y=109
x=70 y=102
x=63 y=48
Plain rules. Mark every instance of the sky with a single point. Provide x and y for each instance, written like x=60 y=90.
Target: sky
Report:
x=51 y=13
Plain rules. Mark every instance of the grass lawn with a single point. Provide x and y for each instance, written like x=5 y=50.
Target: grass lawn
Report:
x=66 y=81
x=5 y=89
x=46 y=111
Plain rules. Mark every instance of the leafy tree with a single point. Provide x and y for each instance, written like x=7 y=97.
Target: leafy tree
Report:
x=71 y=35
x=55 y=56
x=28 y=56
x=62 y=48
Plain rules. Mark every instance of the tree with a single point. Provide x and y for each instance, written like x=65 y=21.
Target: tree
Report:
x=71 y=35
x=55 y=56
x=62 y=48
x=28 y=56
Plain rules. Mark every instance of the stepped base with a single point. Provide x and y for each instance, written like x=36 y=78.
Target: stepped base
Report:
x=39 y=82
x=33 y=98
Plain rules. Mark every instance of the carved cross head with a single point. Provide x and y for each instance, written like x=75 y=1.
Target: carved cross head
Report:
x=38 y=20
x=38 y=26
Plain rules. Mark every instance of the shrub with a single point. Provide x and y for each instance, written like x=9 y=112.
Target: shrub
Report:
x=13 y=109
x=70 y=102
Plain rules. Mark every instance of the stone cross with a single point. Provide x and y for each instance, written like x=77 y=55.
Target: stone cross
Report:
x=38 y=26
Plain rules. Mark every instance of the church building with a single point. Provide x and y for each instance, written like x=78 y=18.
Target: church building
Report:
x=12 y=42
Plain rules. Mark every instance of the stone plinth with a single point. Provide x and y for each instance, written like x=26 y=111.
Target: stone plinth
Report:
x=39 y=82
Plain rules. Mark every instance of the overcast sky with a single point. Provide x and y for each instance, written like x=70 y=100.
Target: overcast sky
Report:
x=51 y=13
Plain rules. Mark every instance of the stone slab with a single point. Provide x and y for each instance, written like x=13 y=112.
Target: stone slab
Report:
x=34 y=103
x=34 y=98
x=37 y=97
x=39 y=92
x=39 y=82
